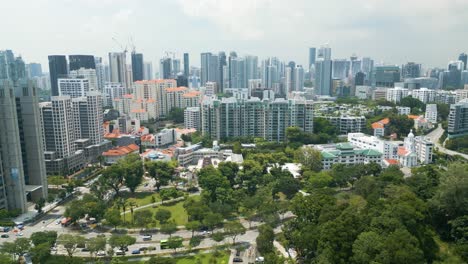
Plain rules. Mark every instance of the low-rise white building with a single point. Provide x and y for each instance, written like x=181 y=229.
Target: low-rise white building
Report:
x=345 y=153
x=389 y=149
x=403 y=110
x=396 y=94
x=424 y=95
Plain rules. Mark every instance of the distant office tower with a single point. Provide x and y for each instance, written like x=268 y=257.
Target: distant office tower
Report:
x=237 y=71
x=288 y=80
x=209 y=68
x=411 y=70
x=311 y=57
x=88 y=118
x=359 y=78
x=324 y=52
x=230 y=117
x=299 y=78
x=251 y=68
x=323 y=72
x=186 y=65
x=118 y=67
x=89 y=74
x=367 y=66
x=165 y=68
x=137 y=66
x=100 y=74
x=148 y=70
x=22 y=166
x=192 y=117
x=458 y=119
x=451 y=78
x=81 y=61
x=223 y=72
x=11 y=67
x=73 y=87
x=464 y=58
x=385 y=76
x=35 y=70
x=58 y=68
x=340 y=68
x=175 y=67
x=181 y=80
x=232 y=57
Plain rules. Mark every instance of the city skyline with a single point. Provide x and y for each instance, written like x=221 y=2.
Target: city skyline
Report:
x=380 y=30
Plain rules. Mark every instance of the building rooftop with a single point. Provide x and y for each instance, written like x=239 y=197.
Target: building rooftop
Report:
x=121 y=151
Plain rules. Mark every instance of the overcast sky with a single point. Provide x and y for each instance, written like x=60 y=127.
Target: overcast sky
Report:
x=430 y=32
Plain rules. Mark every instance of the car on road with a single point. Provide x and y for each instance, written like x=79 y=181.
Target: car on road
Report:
x=259 y=259
x=5 y=236
x=101 y=254
x=146 y=237
x=143 y=248
x=19 y=234
x=84 y=250
x=136 y=251
x=238 y=260
x=119 y=252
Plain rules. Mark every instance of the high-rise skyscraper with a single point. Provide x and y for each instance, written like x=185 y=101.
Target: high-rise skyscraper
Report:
x=464 y=58
x=58 y=68
x=251 y=67
x=324 y=52
x=385 y=76
x=22 y=167
x=186 y=65
x=148 y=70
x=89 y=74
x=88 y=117
x=165 y=68
x=222 y=64
x=175 y=68
x=209 y=68
x=312 y=56
x=73 y=87
x=340 y=68
x=100 y=74
x=118 y=67
x=81 y=61
x=299 y=78
x=34 y=70
x=137 y=66
x=323 y=76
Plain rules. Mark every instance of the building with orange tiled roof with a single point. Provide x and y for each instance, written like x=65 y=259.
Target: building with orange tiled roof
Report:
x=379 y=127
x=113 y=155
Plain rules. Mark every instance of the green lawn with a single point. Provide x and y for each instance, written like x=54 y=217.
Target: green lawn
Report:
x=178 y=213
x=140 y=198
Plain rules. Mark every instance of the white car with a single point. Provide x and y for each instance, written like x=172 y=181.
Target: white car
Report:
x=101 y=254
x=146 y=237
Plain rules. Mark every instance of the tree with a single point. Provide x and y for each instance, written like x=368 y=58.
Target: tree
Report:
x=17 y=248
x=317 y=180
x=161 y=260
x=265 y=239
x=451 y=198
x=88 y=205
x=39 y=205
x=112 y=177
x=174 y=243
x=40 y=253
x=113 y=217
x=96 y=244
x=70 y=242
x=218 y=236
x=177 y=115
x=211 y=220
x=193 y=226
x=49 y=237
x=132 y=169
x=210 y=179
x=161 y=171
x=233 y=229
x=229 y=170
x=169 y=228
x=4 y=258
x=162 y=215
x=121 y=241
x=143 y=218
x=309 y=158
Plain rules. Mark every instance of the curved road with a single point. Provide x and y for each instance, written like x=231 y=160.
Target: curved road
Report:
x=434 y=137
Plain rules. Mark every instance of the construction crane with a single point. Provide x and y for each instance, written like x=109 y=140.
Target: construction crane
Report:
x=132 y=45
x=120 y=45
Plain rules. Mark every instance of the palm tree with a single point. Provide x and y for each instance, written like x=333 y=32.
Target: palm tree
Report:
x=132 y=204
x=122 y=204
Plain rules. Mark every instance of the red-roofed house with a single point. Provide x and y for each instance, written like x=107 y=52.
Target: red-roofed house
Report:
x=379 y=127
x=113 y=155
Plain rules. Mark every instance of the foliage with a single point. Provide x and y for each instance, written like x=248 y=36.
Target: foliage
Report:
x=161 y=171
x=162 y=215
x=96 y=244
x=40 y=253
x=121 y=241
x=70 y=242
x=47 y=237
x=176 y=115
x=233 y=229
x=169 y=228
x=88 y=205
x=310 y=158
x=265 y=239
x=459 y=144
x=417 y=107
x=143 y=218
x=112 y=217
x=174 y=242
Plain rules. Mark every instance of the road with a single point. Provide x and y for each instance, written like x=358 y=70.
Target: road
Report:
x=434 y=137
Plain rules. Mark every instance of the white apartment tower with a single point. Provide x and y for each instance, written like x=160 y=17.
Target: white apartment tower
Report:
x=73 y=87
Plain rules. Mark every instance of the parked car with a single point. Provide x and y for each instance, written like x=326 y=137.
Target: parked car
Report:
x=143 y=248
x=5 y=236
x=136 y=251
x=101 y=254
x=119 y=252
x=237 y=260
